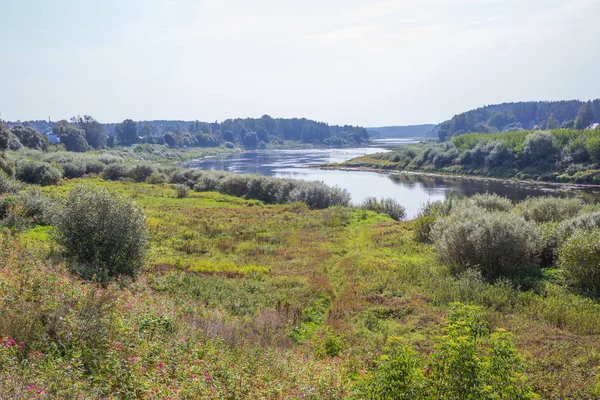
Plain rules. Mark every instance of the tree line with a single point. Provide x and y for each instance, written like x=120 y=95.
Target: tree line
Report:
x=83 y=133
x=531 y=115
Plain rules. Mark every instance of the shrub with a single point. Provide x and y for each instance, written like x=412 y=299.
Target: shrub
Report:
x=26 y=207
x=397 y=376
x=108 y=159
x=494 y=242
x=6 y=166
x=317 y=195
x=156 y=178
x=580 y=259
x=490 y=202
x=182 y=191
x=207 y=183
x=582 y=222
x=94 y=167
x=115 y=172
x=427 y=216
x=8 y=185
x=548 y=209
x=186 y=177
x=387 y=206
x=141 y=172
x=103 y=231
x=74 y=169
x=40 y=173
x=235 y=185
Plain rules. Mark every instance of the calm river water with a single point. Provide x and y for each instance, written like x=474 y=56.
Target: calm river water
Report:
x=410 y=190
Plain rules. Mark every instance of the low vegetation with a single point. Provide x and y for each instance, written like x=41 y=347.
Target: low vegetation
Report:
x=118 y=285
x=560 y=155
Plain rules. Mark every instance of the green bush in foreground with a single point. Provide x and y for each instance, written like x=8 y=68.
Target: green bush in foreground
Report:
x=102 y=231
x=580 y=259
x=496 y=243
x=467 y=363
x=387 y=206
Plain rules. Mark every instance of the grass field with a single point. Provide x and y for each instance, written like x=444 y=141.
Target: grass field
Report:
x=244 y=300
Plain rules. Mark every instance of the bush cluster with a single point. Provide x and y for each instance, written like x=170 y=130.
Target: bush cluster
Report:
x=387 y=206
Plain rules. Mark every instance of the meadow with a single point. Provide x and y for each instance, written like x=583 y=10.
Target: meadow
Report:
x=241 y=299
x=258 y=287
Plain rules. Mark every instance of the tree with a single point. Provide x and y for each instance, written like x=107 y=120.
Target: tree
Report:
x=4 y=137
x=103 y=231
x=170 y=139
x=127 y=132
x=552 y=122
x=31 y=138
x=73 y=138
x=95 y=134
x=250 y=140
x=585 y=116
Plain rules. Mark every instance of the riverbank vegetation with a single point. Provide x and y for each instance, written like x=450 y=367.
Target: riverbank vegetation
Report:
x=242 y=286
x=562 y=155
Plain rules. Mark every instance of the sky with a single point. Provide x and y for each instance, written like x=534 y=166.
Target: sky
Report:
x=368 y=63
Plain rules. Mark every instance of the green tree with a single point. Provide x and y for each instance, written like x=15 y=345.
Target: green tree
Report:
x=95 y=134
x=73 y=138
x=552 y=122
x=127 y=132
x=585 y=116
x=4 y=137
x=31 y=138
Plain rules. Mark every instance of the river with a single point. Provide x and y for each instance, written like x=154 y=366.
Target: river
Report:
x=412 y=191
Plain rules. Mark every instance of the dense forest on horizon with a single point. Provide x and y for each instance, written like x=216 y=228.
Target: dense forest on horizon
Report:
x=530 y=115
x=242 y=132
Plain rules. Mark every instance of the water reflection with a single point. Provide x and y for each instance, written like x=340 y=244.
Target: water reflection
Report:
x=409 y=189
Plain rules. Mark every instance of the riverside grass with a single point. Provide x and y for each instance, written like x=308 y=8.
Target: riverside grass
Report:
x=239 y=299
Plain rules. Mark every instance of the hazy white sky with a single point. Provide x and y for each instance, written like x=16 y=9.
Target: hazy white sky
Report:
x=371 y=63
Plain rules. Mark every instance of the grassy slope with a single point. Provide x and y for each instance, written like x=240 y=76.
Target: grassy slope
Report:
x=236 y=294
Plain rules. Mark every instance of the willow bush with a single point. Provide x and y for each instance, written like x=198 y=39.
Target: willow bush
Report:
x=103 y=232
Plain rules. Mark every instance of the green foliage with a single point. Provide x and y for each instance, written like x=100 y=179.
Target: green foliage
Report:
x=74 y=169
x=331 y=345
x=103 y=231
x=126 y=132
x=496 y=243
x=427 y=217
x=593 y=147
x=95 y=134
x=489 y=202
x=467 y=363
x=114 y=172
x=579 y=256
x=40 y=173
x=8 y=185
x=4 y=137
x=31 y=138
x=387 y=206
x=73 y=138
x=182 y=191
x=548 y=209
x=26 y=207
x=398 y=375
x=585 y=116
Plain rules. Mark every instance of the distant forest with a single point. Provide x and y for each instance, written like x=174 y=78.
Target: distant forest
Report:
x=410 y=131
x=530 y=115
x=247 y=132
